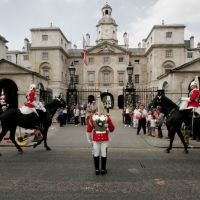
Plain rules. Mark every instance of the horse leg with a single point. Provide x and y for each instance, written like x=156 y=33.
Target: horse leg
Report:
x=183 y=141
x=172 y=134
x=2 y=134
x=12 y=138
x=44 y=133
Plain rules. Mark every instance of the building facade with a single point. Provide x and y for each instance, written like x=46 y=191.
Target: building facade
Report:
x=163 y=60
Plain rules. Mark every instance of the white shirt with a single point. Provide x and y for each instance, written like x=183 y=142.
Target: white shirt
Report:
x=76 y=112
x=82 y=113
x=153 y=122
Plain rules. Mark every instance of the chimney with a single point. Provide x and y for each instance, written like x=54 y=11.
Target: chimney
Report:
x=125 y=38
x=69 y=45
x=143 y=43
x=75 y=47
x=198 y=45
x=87 y=39
x=26 y=41
x=163 y=22
x=139 y=45
x=192 y=42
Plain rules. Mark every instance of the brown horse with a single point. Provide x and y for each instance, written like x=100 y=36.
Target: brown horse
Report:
x=12 y=118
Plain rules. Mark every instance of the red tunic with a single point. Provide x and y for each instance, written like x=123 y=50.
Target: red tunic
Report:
x=31 y=97
x=194 y=97
x=100 y=137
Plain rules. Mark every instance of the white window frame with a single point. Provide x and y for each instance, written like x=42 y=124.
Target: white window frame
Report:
x=44 y=37
x=91 y=79
x=168 y=53
x=45 y=55
x=121 y=59
x=168 y=34
x=189 y=55
x=106 y=60
x=106 y=78
x=9 y=58
x=137 y=78
x=26 y=57
x=91 y=60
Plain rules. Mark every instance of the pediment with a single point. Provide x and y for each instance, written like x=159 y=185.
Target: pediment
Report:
x=106 y=48
x=7 y=67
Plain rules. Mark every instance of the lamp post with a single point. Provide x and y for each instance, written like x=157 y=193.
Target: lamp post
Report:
x=71 y=91
x=129 y=91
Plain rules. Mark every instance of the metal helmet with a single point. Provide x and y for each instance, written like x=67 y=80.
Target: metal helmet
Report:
x=193 y=83
x=32 y=86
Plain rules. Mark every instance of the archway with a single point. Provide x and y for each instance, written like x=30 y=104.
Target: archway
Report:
x=120 y=101
x=106 y=96
x=91 y=98
x=10 y=91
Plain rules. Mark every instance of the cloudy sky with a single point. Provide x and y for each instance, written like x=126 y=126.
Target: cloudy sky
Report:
x=79 y=17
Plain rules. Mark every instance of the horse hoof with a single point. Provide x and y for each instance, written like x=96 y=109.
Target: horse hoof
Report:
x=167 y=151
x=48 y=149
x=0 y=154
x=185 y=151
x=35 y=145
x=20 y=151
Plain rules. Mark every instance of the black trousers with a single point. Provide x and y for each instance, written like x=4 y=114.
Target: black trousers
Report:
x=127 y=119
x=82 y=120
x=142 y=124
x=76 y=120
x=160 y=135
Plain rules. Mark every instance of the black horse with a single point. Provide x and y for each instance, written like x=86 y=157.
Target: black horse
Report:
x=12 y=118
x=175 y=119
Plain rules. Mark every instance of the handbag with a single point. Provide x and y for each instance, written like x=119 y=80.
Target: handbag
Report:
x=138 y=116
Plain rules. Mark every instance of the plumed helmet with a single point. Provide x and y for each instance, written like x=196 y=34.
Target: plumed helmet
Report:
x=193 y=83
x=32 y=86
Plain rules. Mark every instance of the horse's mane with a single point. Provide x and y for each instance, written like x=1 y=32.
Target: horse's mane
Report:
x=51 y=104
x=169 y=101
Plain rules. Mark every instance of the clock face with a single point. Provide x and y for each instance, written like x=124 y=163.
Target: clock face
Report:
x=106 y=31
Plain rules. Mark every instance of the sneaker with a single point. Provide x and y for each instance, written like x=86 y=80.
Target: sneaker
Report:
x=129 y=126
x=125 y=125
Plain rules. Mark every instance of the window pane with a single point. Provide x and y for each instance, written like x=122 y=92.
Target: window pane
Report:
x=106 y=79
x=121 y=77
x=26 y=57
x=189 y=55
x=76 y=62
x=137 y=78
x=46 y=73
x=121 y=59
x=91 y=60
x=168 y=53
x=45 y=55
x=168 y=34
x=137 y=61
x=9 y=58
x=106 y=60
x=45 y=38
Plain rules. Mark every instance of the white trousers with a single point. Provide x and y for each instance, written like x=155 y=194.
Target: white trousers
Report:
x=100 y=147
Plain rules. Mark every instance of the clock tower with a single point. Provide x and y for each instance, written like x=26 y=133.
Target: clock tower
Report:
x=107 y=27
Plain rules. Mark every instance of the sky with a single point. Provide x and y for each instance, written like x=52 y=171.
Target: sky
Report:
x=76 y=18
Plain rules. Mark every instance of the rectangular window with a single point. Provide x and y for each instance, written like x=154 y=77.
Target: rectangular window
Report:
x=121 y=78
x=106 y=79
x=105 y=60
x=91 y=79
x=9 y=58
x=46 y=73
x=61 y=41
x=137 y=61
x=168 y=34
x=44 y=37
x=45 y=56
x=62 y=58
x=137 y=78
x=76 y=62
x=189 y=55
x=76 y=79
x=121 y=60
x=91 y=60
x=168 y=53
x=26 y=57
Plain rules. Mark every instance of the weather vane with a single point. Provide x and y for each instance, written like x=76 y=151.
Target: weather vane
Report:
x=106 y=1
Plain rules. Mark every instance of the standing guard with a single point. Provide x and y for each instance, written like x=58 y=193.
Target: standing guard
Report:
x=100 y=124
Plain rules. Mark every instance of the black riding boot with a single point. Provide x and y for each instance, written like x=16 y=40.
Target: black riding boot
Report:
x=103 y=165
x=96 y=165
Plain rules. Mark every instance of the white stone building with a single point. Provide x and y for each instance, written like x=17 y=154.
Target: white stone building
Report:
x=164 y=60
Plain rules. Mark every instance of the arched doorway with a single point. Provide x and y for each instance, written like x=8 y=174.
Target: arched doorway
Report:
x=11 y=92
x=106 y=96
x=120 y=101
x=91 y=98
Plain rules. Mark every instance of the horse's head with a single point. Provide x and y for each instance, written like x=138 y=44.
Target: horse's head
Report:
x=60 y=102
x=157 y=101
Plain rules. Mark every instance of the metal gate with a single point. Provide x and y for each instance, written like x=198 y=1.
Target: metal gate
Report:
x=144 y=95
x=87 y=95
x=46 y=95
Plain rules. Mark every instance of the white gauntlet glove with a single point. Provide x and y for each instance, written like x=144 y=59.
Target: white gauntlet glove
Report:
x=88 y=136
x=35 y=104
x=185 y=99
